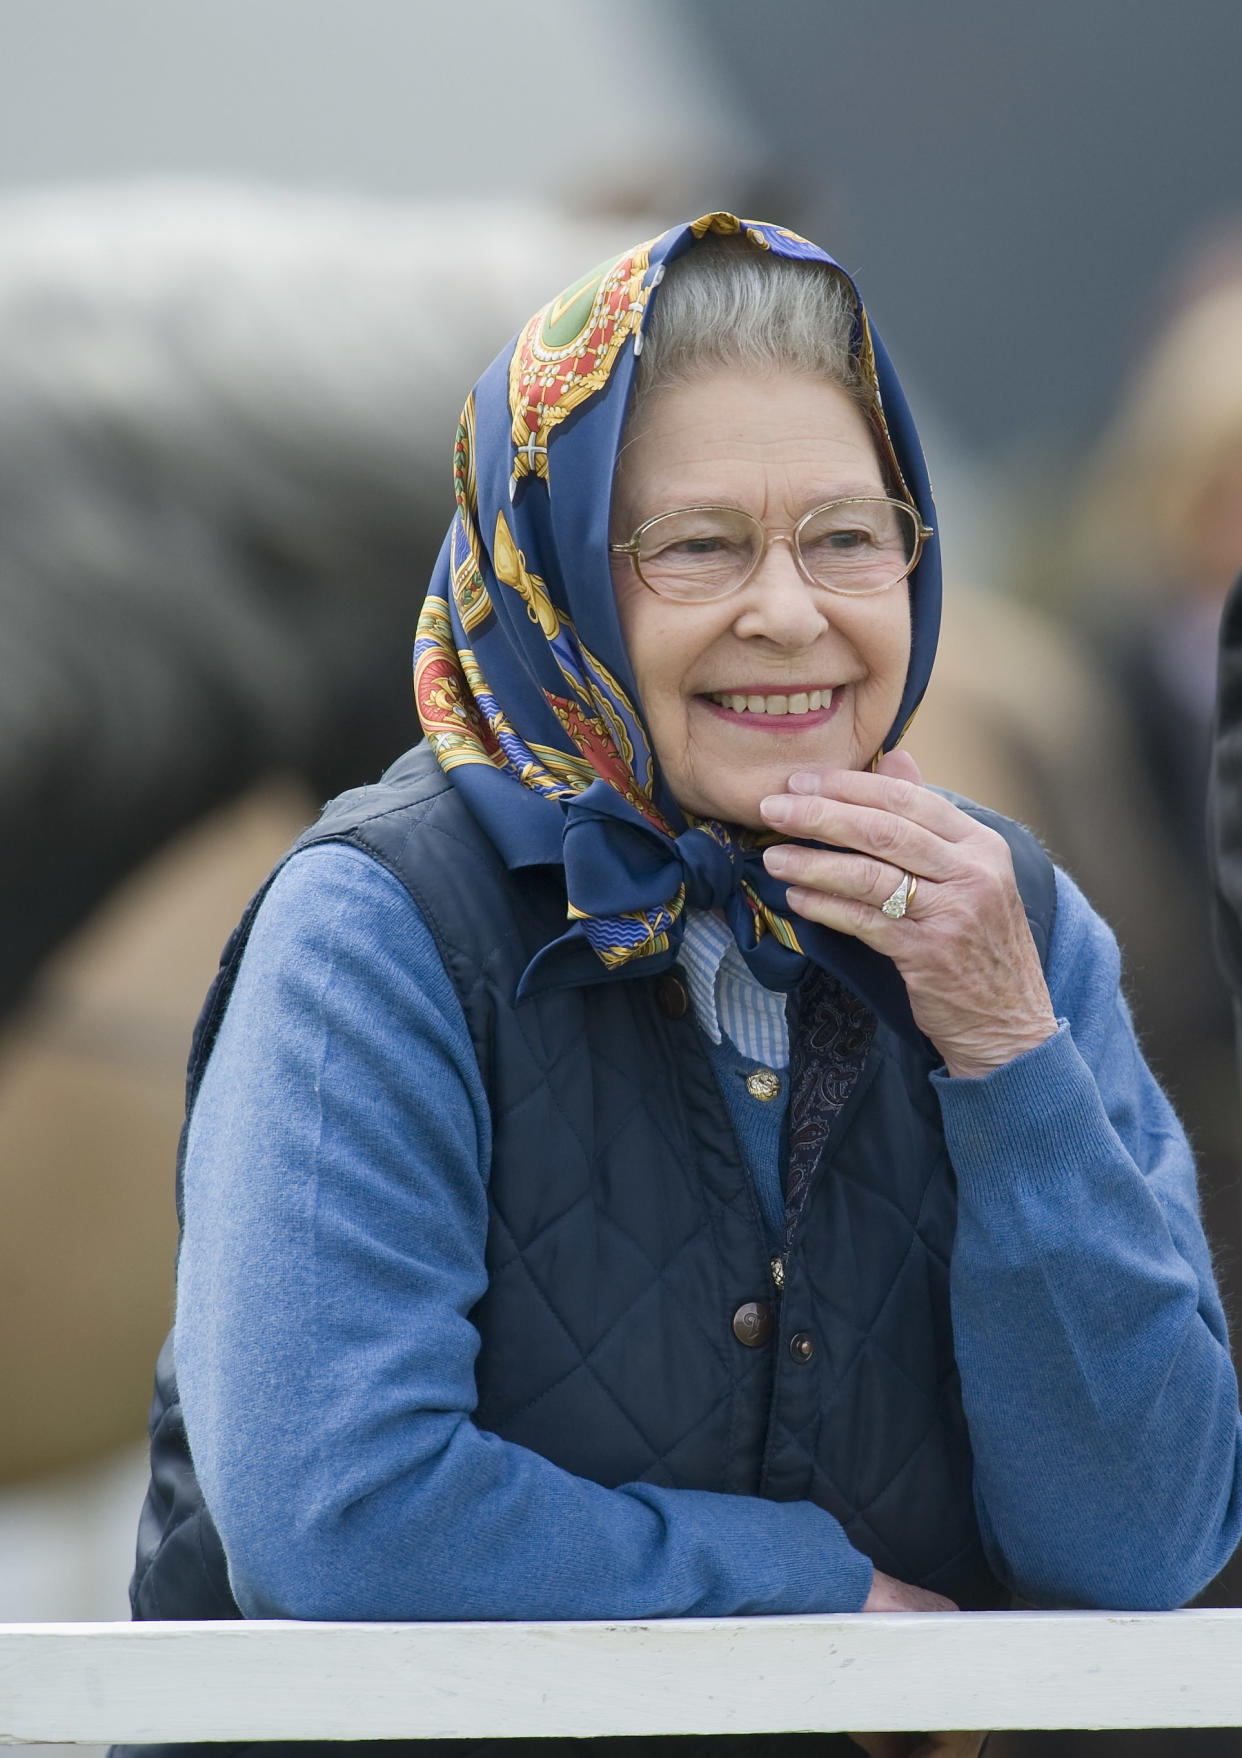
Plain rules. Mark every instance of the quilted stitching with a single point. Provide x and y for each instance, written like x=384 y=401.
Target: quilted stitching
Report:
x=624 y=1233
x=583 y=1071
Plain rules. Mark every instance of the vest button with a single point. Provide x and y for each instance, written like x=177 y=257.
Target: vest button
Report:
x=672 y=995
x=764 y=1083
x=753 y=1323
x=802 y=1346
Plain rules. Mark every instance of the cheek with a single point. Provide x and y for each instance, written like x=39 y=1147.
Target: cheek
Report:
x=638 y=615
x=629 y=593
x=899 y=661
x=662 y=643
x=658 y=673
x=884 y=648
x=890 y=643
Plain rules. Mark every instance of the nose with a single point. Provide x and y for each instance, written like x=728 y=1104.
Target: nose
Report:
x=778 y=602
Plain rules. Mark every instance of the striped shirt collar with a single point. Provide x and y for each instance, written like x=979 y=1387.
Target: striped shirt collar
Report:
x=729 y=1001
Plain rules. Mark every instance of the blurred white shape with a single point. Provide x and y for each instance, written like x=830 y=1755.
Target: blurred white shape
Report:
x=590 y=103
x=264 y=349
x=67 y=1542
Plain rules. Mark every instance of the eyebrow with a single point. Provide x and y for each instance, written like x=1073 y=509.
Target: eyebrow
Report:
x=852 y=491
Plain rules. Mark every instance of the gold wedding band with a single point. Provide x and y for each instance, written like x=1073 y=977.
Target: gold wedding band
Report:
x=895 y=907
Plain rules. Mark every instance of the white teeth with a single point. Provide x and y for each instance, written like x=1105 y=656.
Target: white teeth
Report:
x=804 y=702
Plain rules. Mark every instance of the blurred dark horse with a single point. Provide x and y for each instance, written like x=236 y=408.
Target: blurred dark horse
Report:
x=225 y=436
x=225 y=470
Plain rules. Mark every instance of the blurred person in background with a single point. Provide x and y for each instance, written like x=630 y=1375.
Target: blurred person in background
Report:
x=1093 y=725
x=1160 y=541
x=1225 y=801
x=1158 y=544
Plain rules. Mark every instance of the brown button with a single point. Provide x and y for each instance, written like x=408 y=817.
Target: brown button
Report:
x=802 y=1346
x=753 y=1323
x=673 y=995
x=764 y=1084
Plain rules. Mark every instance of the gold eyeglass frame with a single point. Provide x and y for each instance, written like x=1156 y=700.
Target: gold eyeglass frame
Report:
x=922 y=533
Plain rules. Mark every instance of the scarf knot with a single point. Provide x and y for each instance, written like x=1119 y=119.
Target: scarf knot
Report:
x=630 y=883
x=619 y=864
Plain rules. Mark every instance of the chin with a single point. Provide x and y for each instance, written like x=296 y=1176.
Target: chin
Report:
x=742 y=817
x=737 y=804
x=745 y=810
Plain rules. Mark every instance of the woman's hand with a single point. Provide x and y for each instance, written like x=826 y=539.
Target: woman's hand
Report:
x=963 y=947
x=890 y=1595
x=947 y=1745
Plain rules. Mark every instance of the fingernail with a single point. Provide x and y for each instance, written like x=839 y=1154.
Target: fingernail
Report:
x=776 y=809
x=805 y=783
x=777 y=860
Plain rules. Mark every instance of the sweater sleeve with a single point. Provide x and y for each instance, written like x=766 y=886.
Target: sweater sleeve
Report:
x=335 y=1222
x=1095 y=1368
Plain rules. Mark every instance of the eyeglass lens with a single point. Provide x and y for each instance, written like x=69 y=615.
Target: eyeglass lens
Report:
x=848 y=546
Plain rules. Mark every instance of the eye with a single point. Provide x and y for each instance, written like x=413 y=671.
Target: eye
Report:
x=698 y=537
x=859 y=545
x=856 y=528
x=688 y=548
x=849 y=538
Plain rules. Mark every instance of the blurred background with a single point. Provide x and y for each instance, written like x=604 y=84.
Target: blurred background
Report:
x=251 y=258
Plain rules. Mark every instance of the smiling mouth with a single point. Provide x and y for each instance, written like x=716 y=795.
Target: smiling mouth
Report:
x=801 y=702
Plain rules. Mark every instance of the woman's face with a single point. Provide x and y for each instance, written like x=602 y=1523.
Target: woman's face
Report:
x=775 y=446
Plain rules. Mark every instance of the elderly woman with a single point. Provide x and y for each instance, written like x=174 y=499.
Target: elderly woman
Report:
x=650 y=1155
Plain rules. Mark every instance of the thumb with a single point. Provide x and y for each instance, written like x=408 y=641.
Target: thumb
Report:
x=901 y=765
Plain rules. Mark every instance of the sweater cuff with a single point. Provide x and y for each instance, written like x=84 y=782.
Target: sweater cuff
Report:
x=1025 y=1123
x=855 y=1578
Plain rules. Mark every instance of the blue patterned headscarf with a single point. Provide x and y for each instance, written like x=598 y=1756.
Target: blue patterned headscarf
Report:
x=522 y=679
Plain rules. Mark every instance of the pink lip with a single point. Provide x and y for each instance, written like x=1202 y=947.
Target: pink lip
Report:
x=773 y=723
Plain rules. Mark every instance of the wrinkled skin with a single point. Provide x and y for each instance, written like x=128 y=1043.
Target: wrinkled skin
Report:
x=963 y=947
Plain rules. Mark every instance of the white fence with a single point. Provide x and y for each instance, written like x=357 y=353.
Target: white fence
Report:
x=93 y=1683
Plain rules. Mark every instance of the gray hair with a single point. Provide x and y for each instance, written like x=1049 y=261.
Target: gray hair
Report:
x=726 y=303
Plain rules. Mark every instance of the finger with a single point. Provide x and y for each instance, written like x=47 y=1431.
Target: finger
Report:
x=867 y=829
x=898 y=794
x=849 y=915
x=841 y=872
x=902 y=765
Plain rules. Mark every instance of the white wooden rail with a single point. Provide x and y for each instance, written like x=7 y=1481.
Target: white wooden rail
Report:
x=295 y=1681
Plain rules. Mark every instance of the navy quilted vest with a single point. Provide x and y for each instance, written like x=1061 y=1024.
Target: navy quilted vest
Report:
x=624 y=1236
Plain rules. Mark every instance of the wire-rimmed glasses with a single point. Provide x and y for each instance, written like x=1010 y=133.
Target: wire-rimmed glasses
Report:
x=696 y=554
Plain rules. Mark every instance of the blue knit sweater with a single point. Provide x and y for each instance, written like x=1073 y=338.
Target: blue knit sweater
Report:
x=336 y=1214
